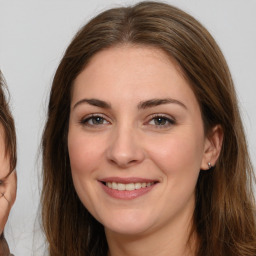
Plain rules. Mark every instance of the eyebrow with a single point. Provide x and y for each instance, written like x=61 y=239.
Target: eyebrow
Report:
x=94 y=102
x=142 y=105
x=156 y=102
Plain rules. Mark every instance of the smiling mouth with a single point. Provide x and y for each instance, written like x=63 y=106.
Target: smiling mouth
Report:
x=128 y=186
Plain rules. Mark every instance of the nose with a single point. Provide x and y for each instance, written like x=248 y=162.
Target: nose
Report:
x=124 y=149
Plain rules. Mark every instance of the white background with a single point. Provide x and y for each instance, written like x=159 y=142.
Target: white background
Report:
x=33 y=37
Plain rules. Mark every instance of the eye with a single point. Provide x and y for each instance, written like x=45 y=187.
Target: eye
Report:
x=161 y=121
x=94 y=120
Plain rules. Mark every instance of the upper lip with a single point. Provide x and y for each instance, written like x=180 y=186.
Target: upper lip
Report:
x=127 y=180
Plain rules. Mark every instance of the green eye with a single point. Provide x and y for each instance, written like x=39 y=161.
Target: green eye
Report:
x=97 y=120
x=161 y=121
x=94 y=121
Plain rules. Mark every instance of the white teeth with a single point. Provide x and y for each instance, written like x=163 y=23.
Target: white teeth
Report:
x=138 y=185
x=114 y=185
x=120 y=186
x=129 y=186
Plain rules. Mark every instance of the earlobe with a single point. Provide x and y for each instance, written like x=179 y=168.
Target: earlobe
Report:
x=212 y=148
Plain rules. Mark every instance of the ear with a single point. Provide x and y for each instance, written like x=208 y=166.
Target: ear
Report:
x=212 y=147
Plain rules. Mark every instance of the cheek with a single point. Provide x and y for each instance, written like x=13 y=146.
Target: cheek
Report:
x=84 y=153
x=178 y=154
x=178 y=158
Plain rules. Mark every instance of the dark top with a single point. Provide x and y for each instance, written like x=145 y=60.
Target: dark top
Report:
x=4 y=248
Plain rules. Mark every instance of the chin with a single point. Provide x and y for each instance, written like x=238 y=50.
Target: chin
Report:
x=128 y=224
x=127 y=229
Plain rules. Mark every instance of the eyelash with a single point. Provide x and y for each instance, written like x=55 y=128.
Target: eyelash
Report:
x=86 y=120
x=170 y=121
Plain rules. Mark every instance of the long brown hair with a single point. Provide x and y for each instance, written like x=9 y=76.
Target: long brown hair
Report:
x=7 y=122
x=224 y=217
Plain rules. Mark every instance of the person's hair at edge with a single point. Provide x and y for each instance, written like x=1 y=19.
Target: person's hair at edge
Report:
x=7 y=122
x=224 y=216
x=8 y=129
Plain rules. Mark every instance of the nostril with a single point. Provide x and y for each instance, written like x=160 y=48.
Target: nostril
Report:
x=123 y=162
x=132 y=161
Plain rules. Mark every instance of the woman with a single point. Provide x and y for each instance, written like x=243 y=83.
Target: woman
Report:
x=8 y=181
x=144 y=151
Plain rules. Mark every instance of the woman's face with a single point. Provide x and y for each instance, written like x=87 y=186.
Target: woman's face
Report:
x=136 y=140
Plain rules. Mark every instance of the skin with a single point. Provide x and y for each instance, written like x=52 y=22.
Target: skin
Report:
x=127 y=140
x=8 y=184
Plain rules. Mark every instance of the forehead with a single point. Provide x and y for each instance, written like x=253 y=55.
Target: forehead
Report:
x=131 y=71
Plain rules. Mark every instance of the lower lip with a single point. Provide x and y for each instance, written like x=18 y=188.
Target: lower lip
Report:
x=126 y=194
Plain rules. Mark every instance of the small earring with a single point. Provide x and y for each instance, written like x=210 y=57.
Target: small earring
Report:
x=209 y=165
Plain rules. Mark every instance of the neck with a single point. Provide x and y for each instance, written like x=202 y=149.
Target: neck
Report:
x=171 y=240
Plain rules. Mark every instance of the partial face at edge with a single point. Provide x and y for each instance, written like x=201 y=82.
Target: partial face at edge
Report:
x=134 y=120
x=4 y=156
x=8 y=182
